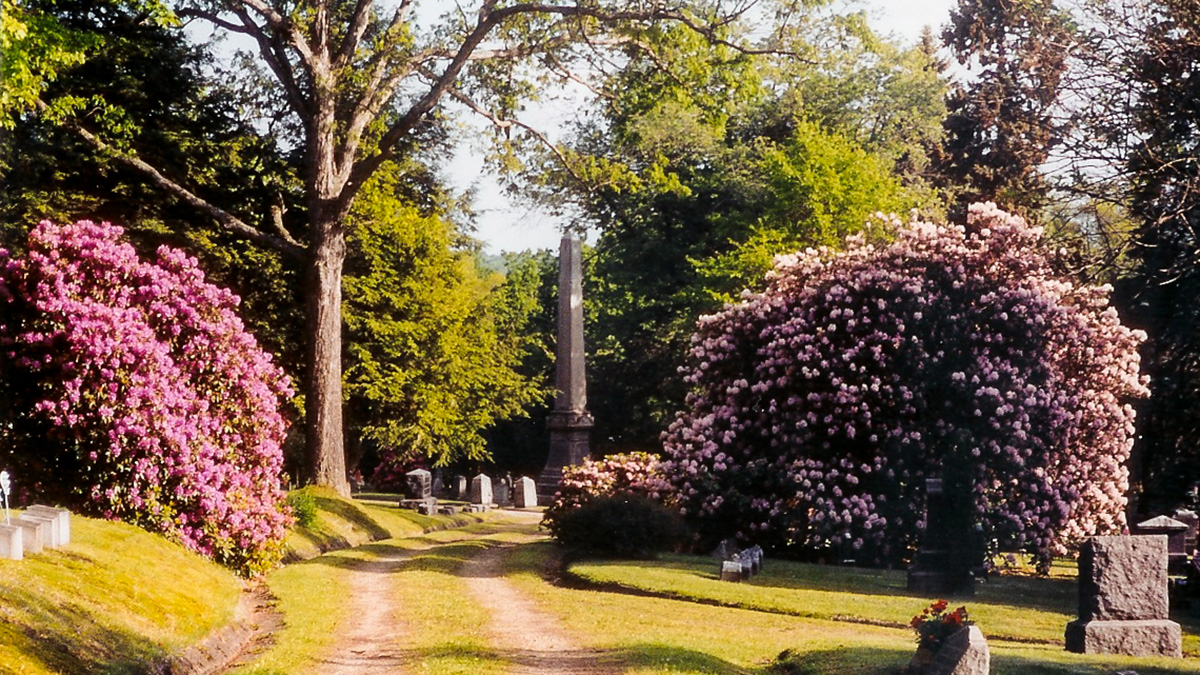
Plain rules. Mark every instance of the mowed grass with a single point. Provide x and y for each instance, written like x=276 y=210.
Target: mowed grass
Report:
x=116 y=600
x=1023 y=617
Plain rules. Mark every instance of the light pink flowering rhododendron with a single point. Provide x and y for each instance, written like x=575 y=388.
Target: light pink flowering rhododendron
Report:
x=147 y=400
x=634 y=473
x=820 y=406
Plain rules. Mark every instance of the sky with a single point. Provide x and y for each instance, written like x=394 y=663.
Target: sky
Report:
x=504 y=225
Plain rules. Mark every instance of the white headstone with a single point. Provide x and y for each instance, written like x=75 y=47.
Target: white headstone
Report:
x=525 y=493
x=12 y=542
x=51 y=535
x=63 y=516
x=36 y=535
x=481 y=489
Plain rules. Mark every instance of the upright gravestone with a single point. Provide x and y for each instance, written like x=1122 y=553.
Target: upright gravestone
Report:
x=439 y=484
x=481 y=490
x=502 y=492
x=1192 y=520
x=1123 y=599
x=418 y=484
x=942 y=565
x=569 y=422
x=525 y=493
x=460 y=488
x=1176 y=531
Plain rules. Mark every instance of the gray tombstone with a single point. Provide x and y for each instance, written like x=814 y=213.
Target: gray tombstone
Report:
x=12 y=542
x=756 y=556
x=1176 y=531
x=5 y=488
x=481 y=490
x=1193 y=522
x=448 y=510
x=525 y=493
x=569 y=422
x=502 y=493
x=963 y=653
x=460 y=488
x=418 y=484
x=427 y=507
x=63 y=516
x=439 y=484
x=725 y=550
x=1123 y=601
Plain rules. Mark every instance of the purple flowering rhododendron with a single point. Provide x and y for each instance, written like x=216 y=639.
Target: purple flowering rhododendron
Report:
x=143 y=398
x=820 y=406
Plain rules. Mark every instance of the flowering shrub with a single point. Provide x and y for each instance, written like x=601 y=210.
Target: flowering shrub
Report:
x=821 y=405
x=934 y=624
x=138 y=395
x=634 y=473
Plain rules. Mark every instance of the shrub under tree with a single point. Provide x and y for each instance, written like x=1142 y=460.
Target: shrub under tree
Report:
x=134 y=392
x=820 y=406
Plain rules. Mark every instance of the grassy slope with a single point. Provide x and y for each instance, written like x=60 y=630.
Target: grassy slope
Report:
x=119 y=598
x=115 y=599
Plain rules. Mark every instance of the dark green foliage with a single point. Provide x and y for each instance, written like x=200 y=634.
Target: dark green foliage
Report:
x=1166 y=176
x=1001 y=128
x=623 y=526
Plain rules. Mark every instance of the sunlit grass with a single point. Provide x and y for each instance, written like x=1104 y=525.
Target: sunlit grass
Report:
x=823 y=616
x=116 y=599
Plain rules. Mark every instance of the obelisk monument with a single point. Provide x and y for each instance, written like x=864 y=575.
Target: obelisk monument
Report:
x=569 y=422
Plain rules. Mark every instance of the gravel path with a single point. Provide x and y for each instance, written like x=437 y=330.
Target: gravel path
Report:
x=372 y=644
x=530 y=639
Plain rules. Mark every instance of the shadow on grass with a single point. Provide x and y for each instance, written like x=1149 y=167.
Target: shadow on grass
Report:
x=67 y=638
x=667 y=657
x=1019 y=665
x=351 y=513
x=1045 y=594
x=844 y=661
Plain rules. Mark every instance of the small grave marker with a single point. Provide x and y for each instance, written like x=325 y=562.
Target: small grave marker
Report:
x=731 y=570
x=418 y=484
x=12 y=542
x=963 y=653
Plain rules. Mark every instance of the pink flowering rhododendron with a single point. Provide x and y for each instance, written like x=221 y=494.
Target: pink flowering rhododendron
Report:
x=138 y=394
x=634 y=473
x=820 y=406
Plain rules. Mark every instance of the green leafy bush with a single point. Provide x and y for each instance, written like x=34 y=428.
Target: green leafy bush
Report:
x=624 y=526
x=304 y=508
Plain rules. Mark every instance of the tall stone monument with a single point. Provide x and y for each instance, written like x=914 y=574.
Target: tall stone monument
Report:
x=569 y=422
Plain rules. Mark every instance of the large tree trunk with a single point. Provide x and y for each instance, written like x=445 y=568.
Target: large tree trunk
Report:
x=323 y=395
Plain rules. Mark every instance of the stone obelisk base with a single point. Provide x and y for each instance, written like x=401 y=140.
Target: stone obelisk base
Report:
x=570 y=444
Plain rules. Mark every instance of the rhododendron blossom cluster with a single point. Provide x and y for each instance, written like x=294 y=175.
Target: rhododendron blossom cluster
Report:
x=140 y=395
x=820 y=406
x=634 y=473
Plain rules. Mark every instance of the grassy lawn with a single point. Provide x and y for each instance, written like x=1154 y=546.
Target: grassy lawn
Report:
x=1023 y=617
x=106 y=603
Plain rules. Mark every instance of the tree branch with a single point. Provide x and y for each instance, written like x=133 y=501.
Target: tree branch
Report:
x=284 y=243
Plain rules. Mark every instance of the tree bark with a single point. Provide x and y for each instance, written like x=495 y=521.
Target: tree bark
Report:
x=323 y=400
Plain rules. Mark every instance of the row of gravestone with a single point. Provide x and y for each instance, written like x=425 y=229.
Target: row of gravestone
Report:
x=419 y=491
x=739 y=565
x=39 y=527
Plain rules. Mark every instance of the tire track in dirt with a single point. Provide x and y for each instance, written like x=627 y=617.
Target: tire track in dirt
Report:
x=530 y=639
x=371 y=643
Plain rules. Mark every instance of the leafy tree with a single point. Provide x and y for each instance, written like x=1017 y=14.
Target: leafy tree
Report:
x=134 y=392
x=821 y=405
x=1001 y=126
x=363 y=86
x=433 y=349
x=709 y=162
x=1164 y=174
